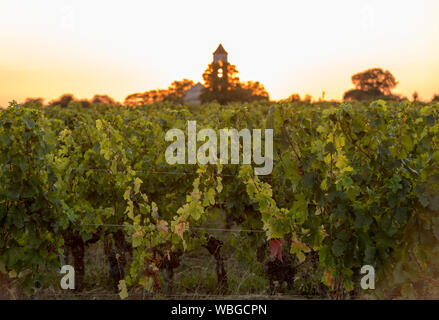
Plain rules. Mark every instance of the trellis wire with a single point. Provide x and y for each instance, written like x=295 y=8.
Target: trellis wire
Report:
x=190 y=228
x=170 y=172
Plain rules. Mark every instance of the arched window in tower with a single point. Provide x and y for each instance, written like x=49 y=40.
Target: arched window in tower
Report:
x=220 y=72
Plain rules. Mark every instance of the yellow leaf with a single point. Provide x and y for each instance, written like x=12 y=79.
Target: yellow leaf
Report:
x=163 y=225
x=99 y=124
x=155 y=210
x=126 y=195
x=137 y=238
x=137 y=183
x=328 y=278
x=129 y=210
x=180 y=228
x=219 y=185
x=123 y=291
x=301 y=256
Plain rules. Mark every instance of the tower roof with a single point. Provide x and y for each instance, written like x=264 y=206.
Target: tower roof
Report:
x=220 y=50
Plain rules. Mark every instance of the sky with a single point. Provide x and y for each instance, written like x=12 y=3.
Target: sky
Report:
x=86 y=47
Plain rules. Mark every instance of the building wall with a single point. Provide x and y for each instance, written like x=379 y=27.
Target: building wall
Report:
x=193 y=94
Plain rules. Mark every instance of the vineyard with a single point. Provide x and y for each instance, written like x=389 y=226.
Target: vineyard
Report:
x=352 y=184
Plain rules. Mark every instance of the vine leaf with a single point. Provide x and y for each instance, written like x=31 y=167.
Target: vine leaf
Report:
x=338 y=247
x=328 y=278
x=137 y=183
x=436 y=227
x=276 y=249
x=163 y=225
x=180 y=228
x=123 y=291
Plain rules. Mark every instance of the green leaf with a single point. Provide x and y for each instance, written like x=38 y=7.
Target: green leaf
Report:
x=369 y=257
x=362 y=220
x=435 y=221
x=308 y=179
x=338 y=247
x=14 y=191
x=401 y=215
x=210 y=195
x=330 y=147
x=30 y=123
x=2 y=267
x=99 y=124
x=137 y=183
x=299 y=209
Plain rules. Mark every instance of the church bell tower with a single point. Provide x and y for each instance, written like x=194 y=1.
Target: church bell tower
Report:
x=220 y=55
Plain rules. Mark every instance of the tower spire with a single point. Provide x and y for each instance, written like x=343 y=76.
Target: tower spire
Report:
x=220 y=54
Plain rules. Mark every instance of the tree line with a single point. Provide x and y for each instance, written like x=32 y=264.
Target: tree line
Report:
x=371 y=84
x=221 y=84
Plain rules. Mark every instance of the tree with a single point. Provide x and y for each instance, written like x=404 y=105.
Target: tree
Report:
x=175 y=93
x=33 y=102
x=147 y=97
x=135 y=99
x=359 y=95
x=65 y=99
x=295 y=97
x=415 y=96
x=375 y=79
x=435 y=98
x=103 y=98
x=85 y=103
x=62 y=101
x=371 y=84
x=250 y=91
x=307 y=98
x=177 y=90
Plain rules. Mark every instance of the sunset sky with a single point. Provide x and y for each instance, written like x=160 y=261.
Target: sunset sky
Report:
x=48 y=48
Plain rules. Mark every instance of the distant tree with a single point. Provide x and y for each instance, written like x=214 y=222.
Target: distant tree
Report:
x=435 y=98
x=357 y=94
x=177 y=90
x=66 y=99
x=32 y=102
x=295 y=97
x=85 y=103
x=174 y=93
x=371 y=84
x=134 y=99
x=250 y=91
x=307 y=98
x=374 y=79
x=147 y=97
x=157 y=95
x=256 y=88
x=103 y=98
x=62 y=101
x=415 y=96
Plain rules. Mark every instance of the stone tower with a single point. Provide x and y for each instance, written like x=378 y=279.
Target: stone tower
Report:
x=220 y=55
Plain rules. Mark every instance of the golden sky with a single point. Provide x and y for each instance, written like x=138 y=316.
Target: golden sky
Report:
x=87 y=47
